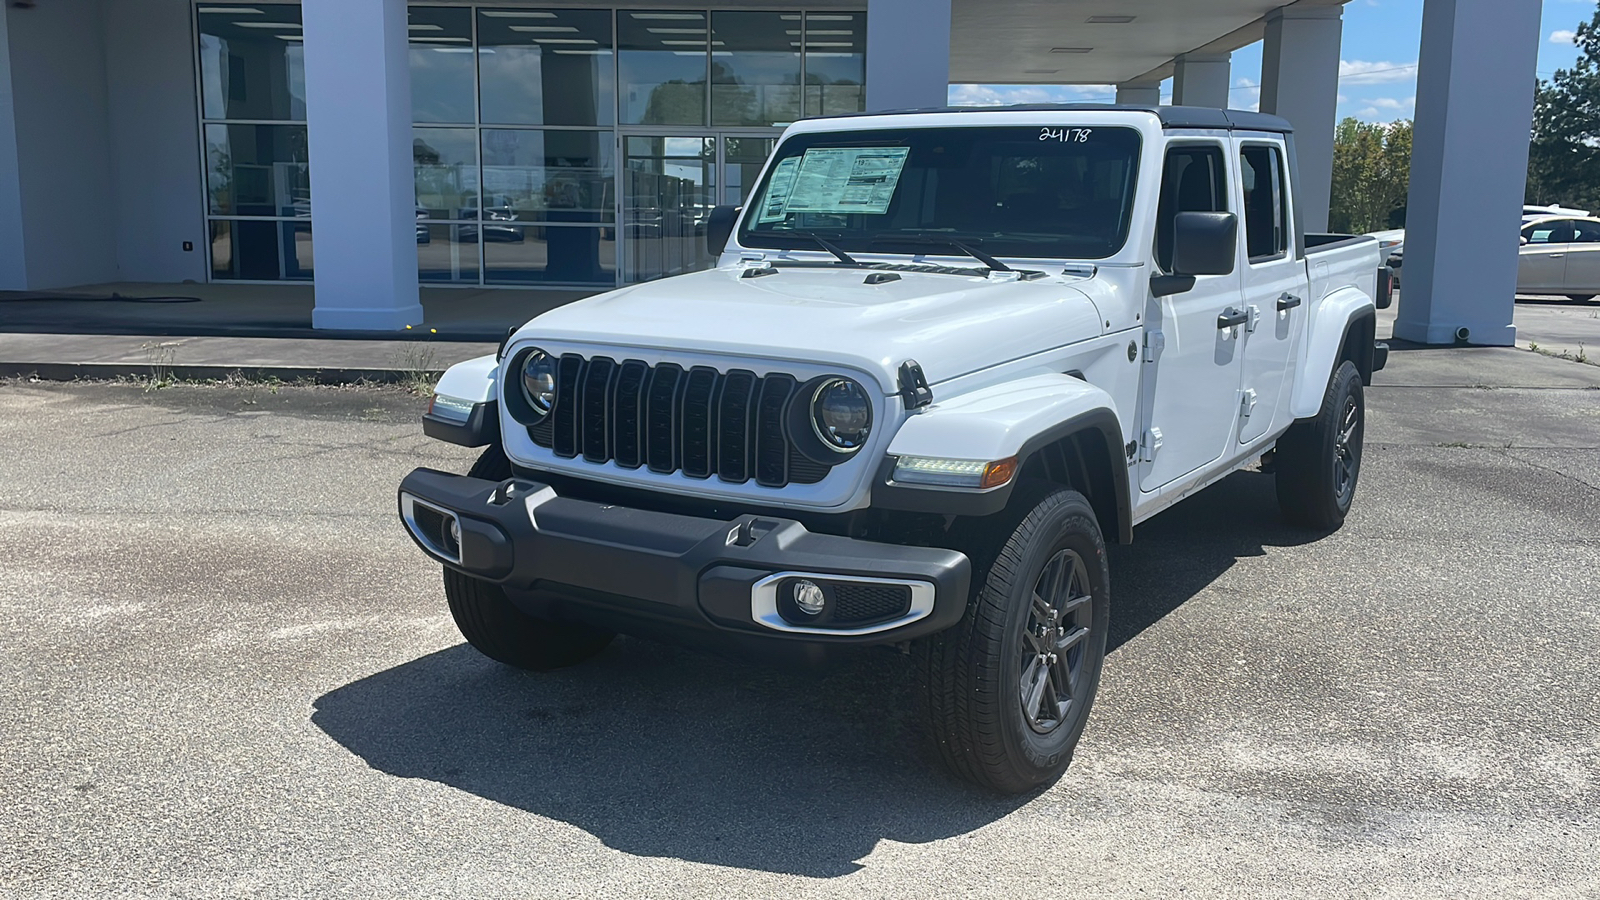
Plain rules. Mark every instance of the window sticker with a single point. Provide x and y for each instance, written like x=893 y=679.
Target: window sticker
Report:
x=773 y=207
x=844 y=180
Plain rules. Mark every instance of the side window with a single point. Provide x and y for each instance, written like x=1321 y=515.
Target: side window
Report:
x=1195 y=180
x=1587 y=232
x=1266 y=213
x=1559 y=231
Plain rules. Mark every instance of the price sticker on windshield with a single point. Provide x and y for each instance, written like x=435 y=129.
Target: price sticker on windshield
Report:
x=1066 y=135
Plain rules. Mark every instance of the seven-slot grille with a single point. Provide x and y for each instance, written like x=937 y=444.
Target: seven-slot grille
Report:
x=667 y=418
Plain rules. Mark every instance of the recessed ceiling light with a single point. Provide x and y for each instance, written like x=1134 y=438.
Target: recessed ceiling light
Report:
x=1070 y=49
x=582 y=52
x=542 y=29
x=670 y=17
x=1110 y=20
x=268 y=24
x=564 y=41
x=289 y=37
x=814 y=17
x=231 y=10
x=515 y=14
x=425 y=27
x=434 y=39
x=676 y=30
x=1040 y=71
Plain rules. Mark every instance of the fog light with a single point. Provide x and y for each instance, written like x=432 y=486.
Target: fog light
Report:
x=808 y=597
x=455 y=536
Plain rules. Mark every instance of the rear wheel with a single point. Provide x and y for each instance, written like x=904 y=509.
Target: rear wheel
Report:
x=1319 y=459
x=495 y=627
x=1007 y=691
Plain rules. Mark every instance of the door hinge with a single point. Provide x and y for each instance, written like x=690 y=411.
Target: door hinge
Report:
x=1150 y=445
x=1247 y=402
x=1154 y=343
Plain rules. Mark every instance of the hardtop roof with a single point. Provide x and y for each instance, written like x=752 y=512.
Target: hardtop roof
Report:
x=1170 y=116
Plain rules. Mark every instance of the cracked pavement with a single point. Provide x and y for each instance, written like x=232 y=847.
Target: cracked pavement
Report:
x=226 y=671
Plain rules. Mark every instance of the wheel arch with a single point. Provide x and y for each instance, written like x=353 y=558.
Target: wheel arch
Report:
x=1343 y=327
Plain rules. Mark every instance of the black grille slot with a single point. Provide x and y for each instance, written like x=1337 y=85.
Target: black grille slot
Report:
x=734 y=421
x=861 y=604
x=772 y=448
x=699 y=417
x=565 y=439
x=627 y=421
x=595 y=428
x=661 y=428
x=700 y=422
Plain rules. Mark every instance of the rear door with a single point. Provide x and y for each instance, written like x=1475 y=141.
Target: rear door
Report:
x=1274 y=285
x=1191 y=369
x=1542 y=266
x=1583 y=259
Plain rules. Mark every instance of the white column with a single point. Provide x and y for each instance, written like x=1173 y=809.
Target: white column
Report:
x=1300 y=81
x=1469 y=166
x=363 y=197
x=1202 y=79
x=908 y=54
x=1135 y=93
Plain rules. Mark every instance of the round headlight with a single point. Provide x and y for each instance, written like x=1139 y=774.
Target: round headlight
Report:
x=539 y=381
x=841 y=414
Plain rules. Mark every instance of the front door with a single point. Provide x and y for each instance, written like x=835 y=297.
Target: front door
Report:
x=1542 y=265
x=1274 y=284
x=1192 y=364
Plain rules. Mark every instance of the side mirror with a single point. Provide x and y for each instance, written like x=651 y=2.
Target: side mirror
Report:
x=1205 y=243
x=719 y=227
x=1524 y=242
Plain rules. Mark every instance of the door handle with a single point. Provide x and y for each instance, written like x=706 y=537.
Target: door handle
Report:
x=1287 y=302
x=1557 y=255
x=1232 y=318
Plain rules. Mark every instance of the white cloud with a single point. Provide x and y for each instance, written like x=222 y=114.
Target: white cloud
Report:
x=1246 y=94
x=1006 y=94
x=1563 y=36
x=1357 y=71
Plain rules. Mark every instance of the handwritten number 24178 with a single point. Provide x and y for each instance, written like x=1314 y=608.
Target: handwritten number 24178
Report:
x=1066 y=135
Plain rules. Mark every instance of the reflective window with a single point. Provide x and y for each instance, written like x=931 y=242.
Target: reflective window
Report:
x=561 y=254
x=549 y=176
x=260 y=250
x=1266 y=208
x=668 y=196
x=662 y=64
x=258 y=170
x=441 y=64
x=755 y=68
x=447 y=252
x=445 y=161
x=252 y=63
x=836 y=63
x=546 y=67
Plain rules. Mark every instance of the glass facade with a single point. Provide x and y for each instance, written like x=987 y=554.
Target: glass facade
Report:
x=550 y=145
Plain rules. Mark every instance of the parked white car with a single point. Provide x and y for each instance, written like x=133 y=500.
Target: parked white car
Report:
x=1531 y=212
x=945 y=357
x=1560 y=255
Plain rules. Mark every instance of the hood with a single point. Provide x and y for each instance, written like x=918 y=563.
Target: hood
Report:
x=950 y=324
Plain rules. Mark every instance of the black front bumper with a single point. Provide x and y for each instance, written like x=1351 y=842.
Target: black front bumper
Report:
x=645 y=572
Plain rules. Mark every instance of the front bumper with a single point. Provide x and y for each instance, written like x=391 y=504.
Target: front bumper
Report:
x=643 y=571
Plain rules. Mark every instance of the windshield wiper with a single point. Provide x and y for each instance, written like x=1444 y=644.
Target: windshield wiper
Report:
x=825 y=244
x=940 y=240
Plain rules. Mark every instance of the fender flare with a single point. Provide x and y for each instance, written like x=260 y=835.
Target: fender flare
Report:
x=1325 y=338
x=1018 y=419
x=473 y=381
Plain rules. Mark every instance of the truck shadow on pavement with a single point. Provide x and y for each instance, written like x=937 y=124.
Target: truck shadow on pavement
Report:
x=664 y=752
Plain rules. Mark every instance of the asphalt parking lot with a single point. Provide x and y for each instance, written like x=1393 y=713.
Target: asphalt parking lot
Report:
x=225 y=671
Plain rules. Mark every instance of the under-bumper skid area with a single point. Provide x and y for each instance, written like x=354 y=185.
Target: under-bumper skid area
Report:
x=609 y=561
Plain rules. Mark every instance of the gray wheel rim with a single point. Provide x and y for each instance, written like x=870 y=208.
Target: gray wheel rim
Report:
x=1056 y=631
x=1347 y=452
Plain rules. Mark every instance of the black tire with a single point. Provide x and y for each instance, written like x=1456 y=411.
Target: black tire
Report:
x=973 y=674
x=1318 y=460
x=1581 y=298
x=495 y=627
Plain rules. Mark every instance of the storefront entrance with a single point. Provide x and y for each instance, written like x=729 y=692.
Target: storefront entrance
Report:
x=670 y=182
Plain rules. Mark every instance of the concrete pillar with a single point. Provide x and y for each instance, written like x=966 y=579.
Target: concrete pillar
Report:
x=1135 y=93
x=1300 y=81
x=908 y=54
x=1469 y=165
x=363 y=196
x=1202 y=80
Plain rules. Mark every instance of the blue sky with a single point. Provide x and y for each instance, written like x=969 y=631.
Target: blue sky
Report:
x=1378 y=62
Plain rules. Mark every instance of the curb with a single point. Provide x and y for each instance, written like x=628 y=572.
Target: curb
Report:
x=105 y=371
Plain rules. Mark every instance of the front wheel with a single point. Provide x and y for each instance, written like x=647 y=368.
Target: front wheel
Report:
x=1007 y=691
x=1319 y=459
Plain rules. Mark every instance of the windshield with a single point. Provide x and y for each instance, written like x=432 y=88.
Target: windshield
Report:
x=1019 y=191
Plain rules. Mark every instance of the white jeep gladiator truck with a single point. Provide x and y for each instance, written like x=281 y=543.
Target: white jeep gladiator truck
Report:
x=944 y=357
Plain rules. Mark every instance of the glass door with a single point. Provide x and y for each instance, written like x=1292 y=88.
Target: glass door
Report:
x=668 y=189
x=740 y=164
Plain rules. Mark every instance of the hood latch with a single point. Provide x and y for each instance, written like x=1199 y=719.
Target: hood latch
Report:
x=914 y=390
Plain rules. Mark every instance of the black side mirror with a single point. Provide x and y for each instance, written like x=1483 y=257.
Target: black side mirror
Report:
x=1205 y=243
x=719 y=227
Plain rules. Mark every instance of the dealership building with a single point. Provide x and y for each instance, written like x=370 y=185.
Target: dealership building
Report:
x=370 y=147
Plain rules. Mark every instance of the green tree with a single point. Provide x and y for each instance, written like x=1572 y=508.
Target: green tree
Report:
x=1564 y=155
x=1371 y=175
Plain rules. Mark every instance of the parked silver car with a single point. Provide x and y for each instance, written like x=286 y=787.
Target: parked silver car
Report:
x=1560 y=255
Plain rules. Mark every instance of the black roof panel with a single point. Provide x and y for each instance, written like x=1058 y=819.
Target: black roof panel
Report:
x=1170 y=116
